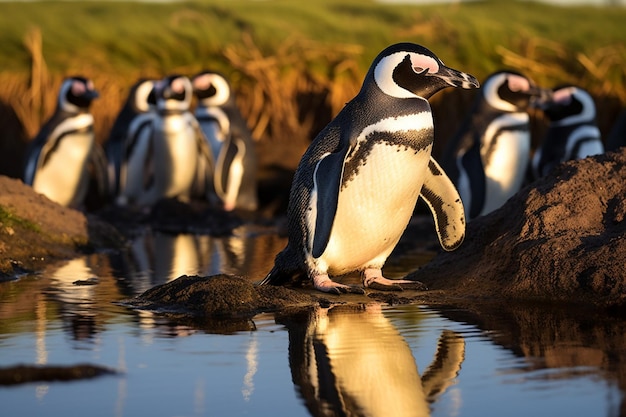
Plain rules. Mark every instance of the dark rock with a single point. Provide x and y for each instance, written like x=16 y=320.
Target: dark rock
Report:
x=22 y=374
x=221 y=296
x=563 y=238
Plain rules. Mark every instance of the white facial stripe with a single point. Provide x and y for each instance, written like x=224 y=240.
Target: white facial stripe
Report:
x=63 y=103
x=383 y=73
x=589 y=107
x=417 y=121
x=222 y=89
x=141 y=95
x=490 y=93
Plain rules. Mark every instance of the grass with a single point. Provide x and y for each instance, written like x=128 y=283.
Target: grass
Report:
x=294 y=64
x=9 y=221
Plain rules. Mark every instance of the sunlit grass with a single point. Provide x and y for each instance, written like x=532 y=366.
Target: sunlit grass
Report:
x=318 y=49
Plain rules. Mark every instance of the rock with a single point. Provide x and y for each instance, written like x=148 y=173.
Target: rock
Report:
x=22 y=374
x=218 y=296
x=35 y=231
x=562 y=238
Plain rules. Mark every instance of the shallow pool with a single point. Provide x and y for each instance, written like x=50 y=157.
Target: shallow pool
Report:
x=370 y=360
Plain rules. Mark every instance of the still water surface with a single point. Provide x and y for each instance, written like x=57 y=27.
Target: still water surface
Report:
x=369 y=360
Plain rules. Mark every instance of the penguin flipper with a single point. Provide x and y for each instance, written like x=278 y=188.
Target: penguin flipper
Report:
x=445 y=203
x=326 y=182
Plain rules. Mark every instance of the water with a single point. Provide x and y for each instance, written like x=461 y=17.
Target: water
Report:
x=361 y=360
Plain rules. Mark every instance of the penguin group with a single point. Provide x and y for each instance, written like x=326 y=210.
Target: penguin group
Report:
x=157 y=148
x=490 y=158
x=356 y=186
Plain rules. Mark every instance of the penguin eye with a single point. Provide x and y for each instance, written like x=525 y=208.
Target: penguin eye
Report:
x=178 y=86
x=563 y=96
x=78 y=88
x=518 y=84
x=424 y=64
x=202 y=82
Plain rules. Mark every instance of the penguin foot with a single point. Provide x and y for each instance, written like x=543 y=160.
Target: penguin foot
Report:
x=325 y=284
x=373 y=278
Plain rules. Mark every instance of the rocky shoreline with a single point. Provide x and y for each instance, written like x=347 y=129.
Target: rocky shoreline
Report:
x=561 y=239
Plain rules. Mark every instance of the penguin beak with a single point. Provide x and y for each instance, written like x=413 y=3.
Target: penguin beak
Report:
x=540 y=97
x=457 y=78
x=91 y=94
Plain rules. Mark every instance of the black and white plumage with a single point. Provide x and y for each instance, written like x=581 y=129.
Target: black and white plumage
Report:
x=162 y=162
x=572 y=130
x=134 y=122
x=357 y=184
x=64 y=159
x=234 y=176
x=489 y=155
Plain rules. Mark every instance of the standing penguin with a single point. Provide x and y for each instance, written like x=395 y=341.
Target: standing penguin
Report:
x=167 y=155
x=133 y=123
x=357 y=184
x=64 y=154
x=488 y=157
x=235 y=165
x=572 y=130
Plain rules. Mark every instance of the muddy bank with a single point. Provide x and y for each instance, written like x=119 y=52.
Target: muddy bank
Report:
x=563 y=238
x=35 y=231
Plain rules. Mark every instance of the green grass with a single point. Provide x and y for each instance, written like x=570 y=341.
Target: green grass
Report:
x=9 y=221
x=116 y=42
x=165 y=36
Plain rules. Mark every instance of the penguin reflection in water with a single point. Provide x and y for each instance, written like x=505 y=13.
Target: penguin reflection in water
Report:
x=233 y=179
x=353 y=361
x=572 y=130
x=162 y=163
x=488 y=157
x=356 y=186
x=64 y=161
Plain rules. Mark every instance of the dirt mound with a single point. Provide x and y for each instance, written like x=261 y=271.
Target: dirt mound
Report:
x=221 y=296
x=35 y=231
x=561 y=238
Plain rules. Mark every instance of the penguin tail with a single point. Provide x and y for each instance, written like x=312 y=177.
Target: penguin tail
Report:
x=280 y=276
x=274 y=277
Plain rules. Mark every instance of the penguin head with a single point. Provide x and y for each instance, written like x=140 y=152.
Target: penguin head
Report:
x=173 y=94
x=568 y=105
x=211 y=88
x=76 y=94
x=407 y=70
x=510 y=91
x=142 y=96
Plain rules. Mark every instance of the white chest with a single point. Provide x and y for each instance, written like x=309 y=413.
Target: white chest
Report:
x=375 y=206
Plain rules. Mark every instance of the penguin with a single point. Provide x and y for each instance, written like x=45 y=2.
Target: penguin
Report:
x=572 y=130
x=64 y=154
x=134 y=120
x=488 y=156
x=617 y=135
x=235 y=166
x=357 y=184
x=163 y=161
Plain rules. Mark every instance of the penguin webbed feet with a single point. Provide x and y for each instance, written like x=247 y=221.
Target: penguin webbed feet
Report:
x=373 y=278
x=325 y=284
